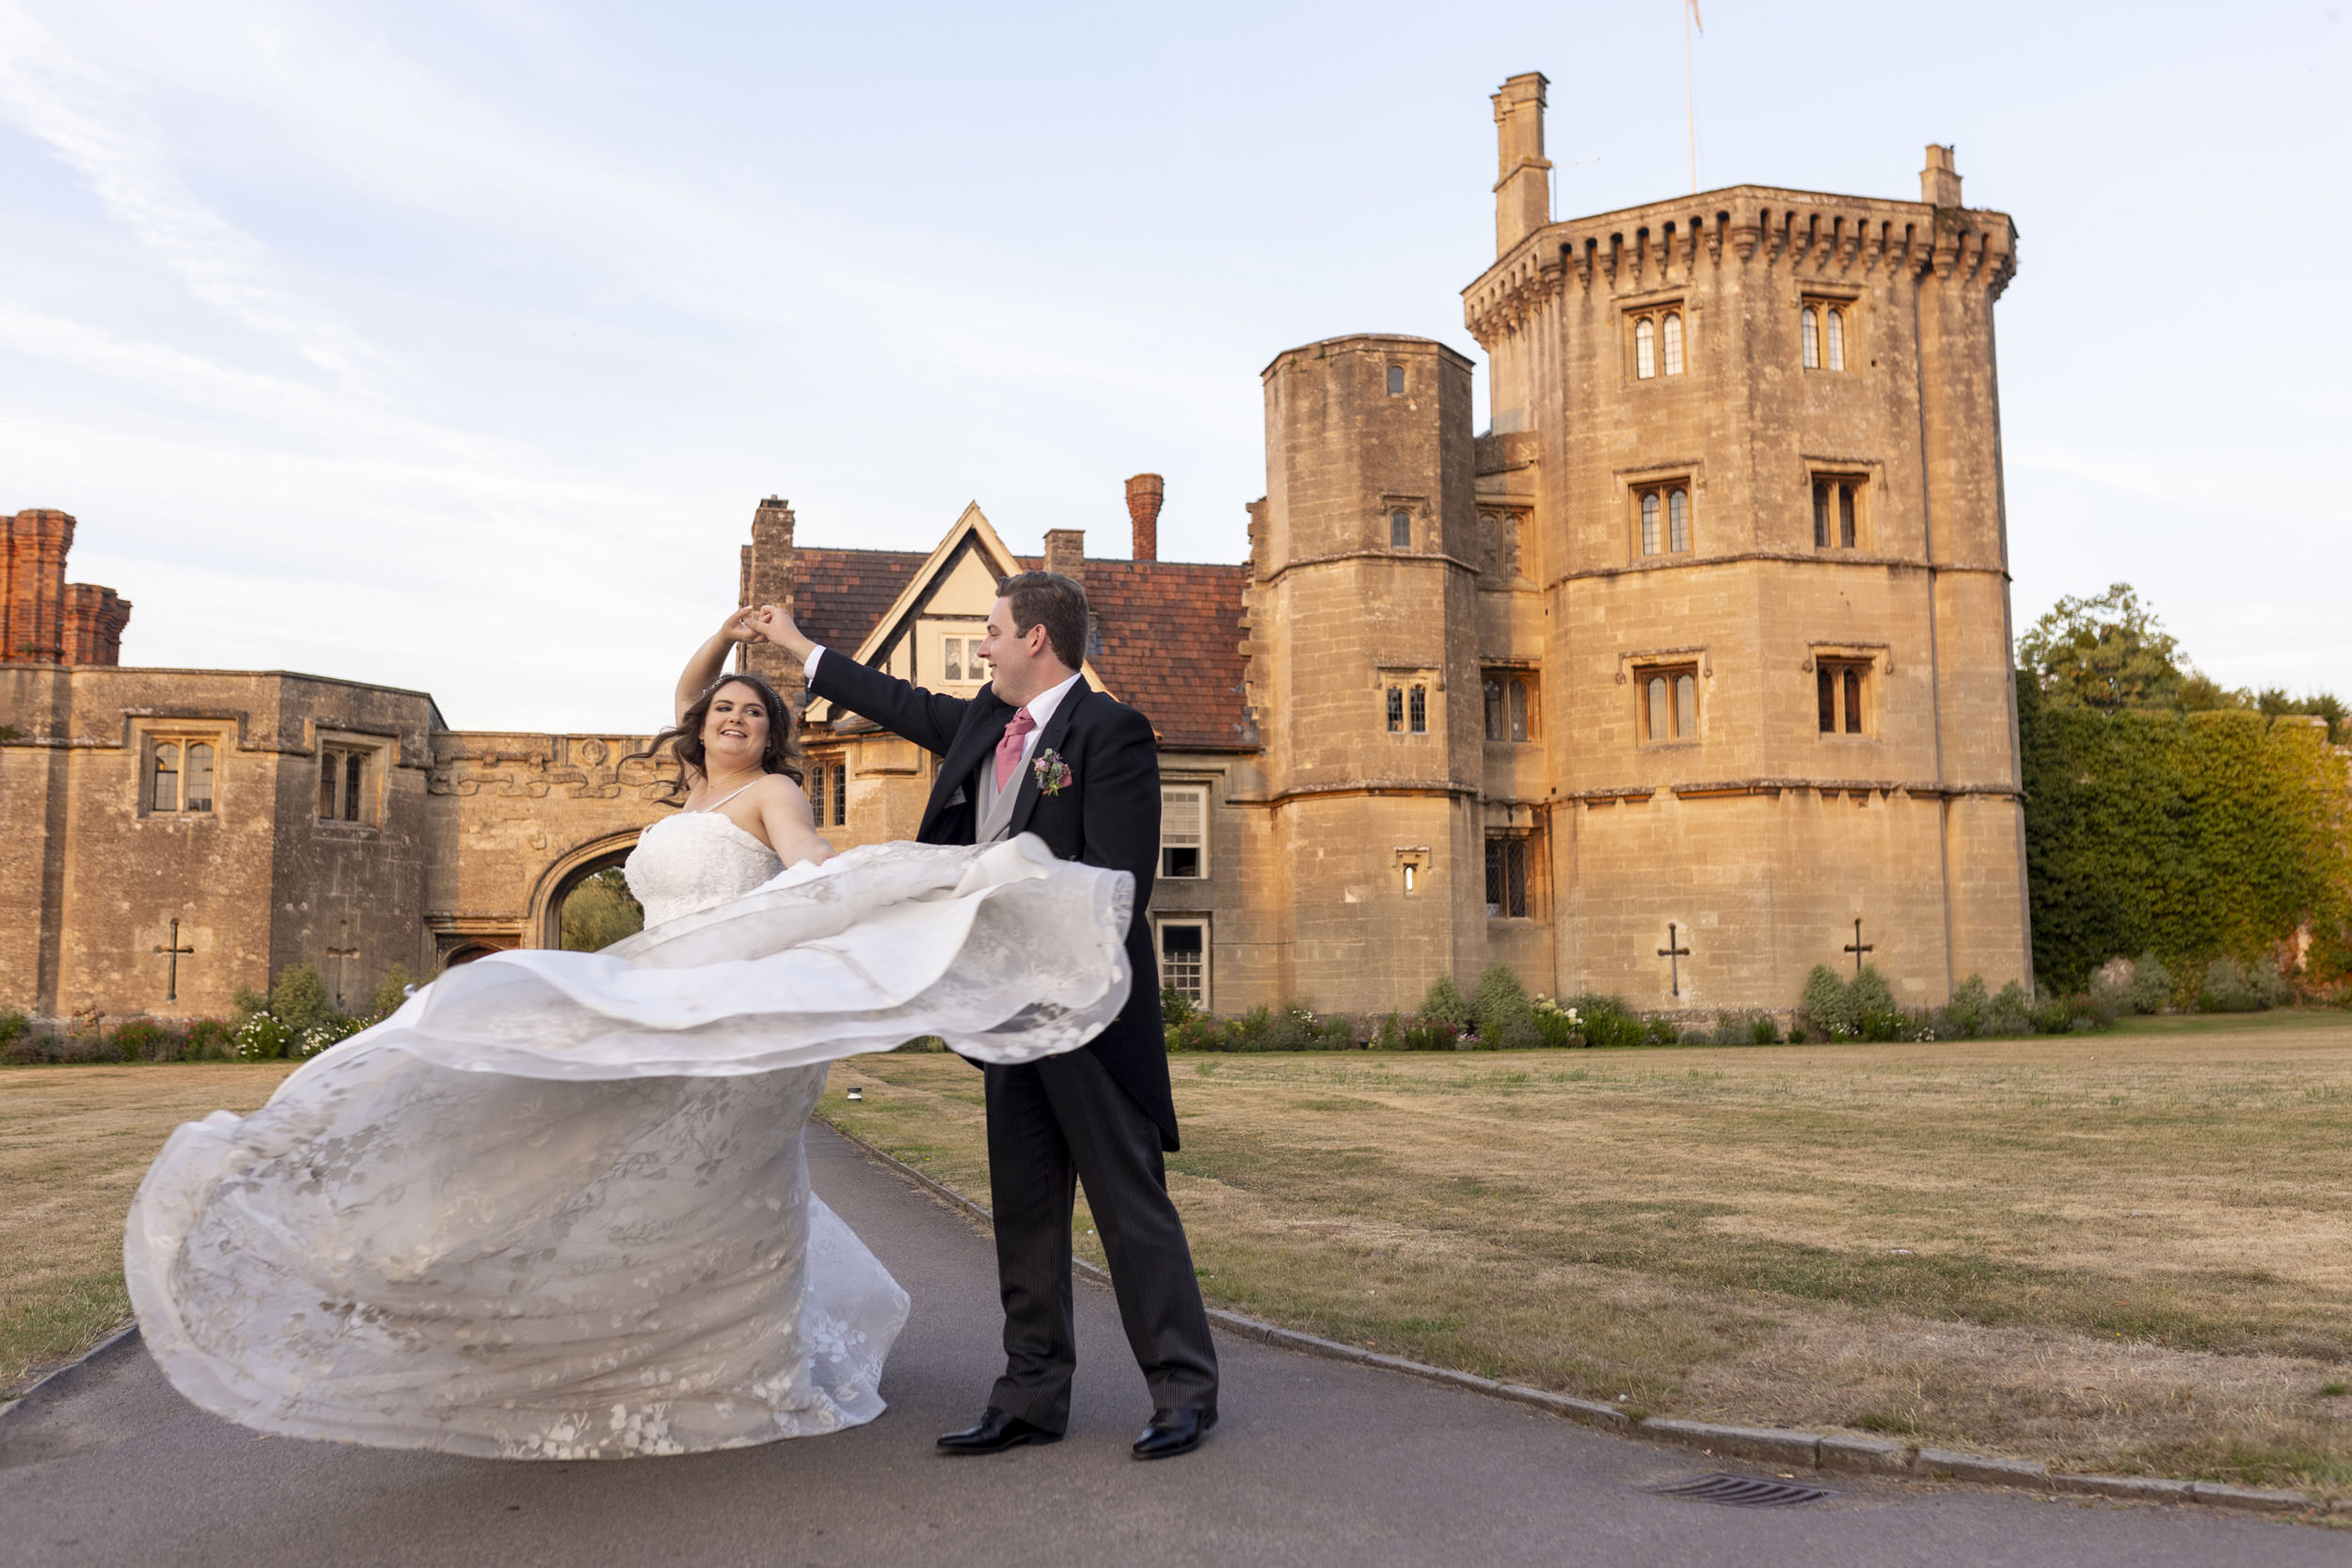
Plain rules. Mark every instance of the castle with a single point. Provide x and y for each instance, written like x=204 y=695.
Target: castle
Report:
x=1690 y=673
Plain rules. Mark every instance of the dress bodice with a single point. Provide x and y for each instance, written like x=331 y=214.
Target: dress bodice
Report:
x=695 y=861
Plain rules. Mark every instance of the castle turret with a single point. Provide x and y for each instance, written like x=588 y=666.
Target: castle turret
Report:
x=1362 y=612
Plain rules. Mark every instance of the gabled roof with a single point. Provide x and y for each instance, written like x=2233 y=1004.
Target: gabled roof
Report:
x=839 y=595
x=1170 y=631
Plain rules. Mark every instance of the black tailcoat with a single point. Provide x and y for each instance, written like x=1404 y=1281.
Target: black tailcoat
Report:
x=1107 y=815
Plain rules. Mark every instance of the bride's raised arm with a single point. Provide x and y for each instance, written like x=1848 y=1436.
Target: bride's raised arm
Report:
x=741 y=625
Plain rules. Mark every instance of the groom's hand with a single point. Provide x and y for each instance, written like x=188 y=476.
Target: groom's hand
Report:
x=777 y=626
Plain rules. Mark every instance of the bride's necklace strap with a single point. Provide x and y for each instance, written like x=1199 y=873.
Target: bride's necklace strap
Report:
x=728 y=796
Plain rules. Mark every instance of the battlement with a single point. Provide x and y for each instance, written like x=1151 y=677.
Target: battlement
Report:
x=1818 y=236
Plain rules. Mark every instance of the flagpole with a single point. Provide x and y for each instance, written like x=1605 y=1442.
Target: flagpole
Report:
x=1690 y=94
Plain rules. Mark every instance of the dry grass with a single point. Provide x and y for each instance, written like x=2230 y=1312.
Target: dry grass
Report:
x=74 y=1142
x=2123 y=1252
x=2127 y=1252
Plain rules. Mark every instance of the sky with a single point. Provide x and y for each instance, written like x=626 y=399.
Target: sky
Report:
x=451 y=344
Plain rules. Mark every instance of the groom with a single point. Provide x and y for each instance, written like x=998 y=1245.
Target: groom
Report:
x=1039 y=751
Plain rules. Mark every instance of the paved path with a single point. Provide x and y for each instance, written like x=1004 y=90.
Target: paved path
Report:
x=1316 y=1463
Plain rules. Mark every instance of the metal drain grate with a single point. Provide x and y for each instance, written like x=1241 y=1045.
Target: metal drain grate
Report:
x=1743 y=1490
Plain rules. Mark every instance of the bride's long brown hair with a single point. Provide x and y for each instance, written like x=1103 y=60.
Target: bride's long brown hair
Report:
x=684 y=740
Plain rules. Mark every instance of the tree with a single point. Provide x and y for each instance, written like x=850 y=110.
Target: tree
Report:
x=601 y=911
x=2108 y=652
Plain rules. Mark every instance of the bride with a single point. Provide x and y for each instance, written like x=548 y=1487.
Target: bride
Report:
x=557 y=1206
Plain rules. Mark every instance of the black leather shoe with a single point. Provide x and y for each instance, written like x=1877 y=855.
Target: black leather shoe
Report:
x=996 y=1432
x=1174 y=1432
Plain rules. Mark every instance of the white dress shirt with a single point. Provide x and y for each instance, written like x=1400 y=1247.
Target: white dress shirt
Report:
x=1040 y=708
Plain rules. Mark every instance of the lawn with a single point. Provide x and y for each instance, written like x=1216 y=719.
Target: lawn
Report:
x=74 y=1142
x=2128 y=1251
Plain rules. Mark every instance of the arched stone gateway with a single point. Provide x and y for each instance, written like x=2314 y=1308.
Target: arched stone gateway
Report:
x=514 y=822
x=557 y=882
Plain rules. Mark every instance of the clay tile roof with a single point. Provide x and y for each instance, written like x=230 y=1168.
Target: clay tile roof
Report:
x=1171 y=648
x=1170 y=632
x=838 y=595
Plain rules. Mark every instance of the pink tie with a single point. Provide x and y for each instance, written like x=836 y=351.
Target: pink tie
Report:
x=1009 y=750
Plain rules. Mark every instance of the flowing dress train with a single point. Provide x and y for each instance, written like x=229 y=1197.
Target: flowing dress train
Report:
x=557 y=1206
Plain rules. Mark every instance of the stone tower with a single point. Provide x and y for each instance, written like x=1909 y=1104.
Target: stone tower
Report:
x=1363 y=678
x=1755 y=437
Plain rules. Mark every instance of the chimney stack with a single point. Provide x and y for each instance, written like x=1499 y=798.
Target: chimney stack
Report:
x=1066 y=553
x=1144 y=493
x=766 y=578
x=1523 y=190
x=1939 y=182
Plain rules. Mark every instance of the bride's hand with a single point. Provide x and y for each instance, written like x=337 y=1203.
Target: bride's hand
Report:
x=743 y=626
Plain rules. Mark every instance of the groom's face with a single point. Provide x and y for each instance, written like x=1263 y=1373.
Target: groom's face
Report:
x=1013 y=657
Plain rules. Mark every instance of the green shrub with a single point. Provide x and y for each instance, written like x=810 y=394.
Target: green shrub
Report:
x=1606 y=1023
x=1830 y=1006
x=1175 y=1006
x=1965 y=1014
x=14 y=1026
x=2151 y=990
x=1874 y=1001
x=1198 y=1032
x=1763 y=1029
x=210 y=1039
x=2011 y=1013
x=2054 y=1016
x=299 y=1000
x=1556 y=1027
x=391 y=992
x=145 y=1040
x=261 y=1038
x=1432 y=1034
x=921 y=1045
x=2226 y=988
x=1445 y=1004
x=1506 y=1018
x=1660 y=1030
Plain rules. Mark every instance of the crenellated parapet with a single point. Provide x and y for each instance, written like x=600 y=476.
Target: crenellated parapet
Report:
x=1812 y=235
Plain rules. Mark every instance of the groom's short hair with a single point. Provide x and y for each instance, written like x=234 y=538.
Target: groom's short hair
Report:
x=1055 y=601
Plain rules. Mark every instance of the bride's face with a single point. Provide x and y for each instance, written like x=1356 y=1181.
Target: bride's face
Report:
x=735 y=731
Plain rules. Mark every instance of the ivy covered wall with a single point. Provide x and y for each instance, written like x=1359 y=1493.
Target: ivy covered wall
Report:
x=2196 y=835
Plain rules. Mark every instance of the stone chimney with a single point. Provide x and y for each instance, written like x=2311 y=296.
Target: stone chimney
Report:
x=1523 y=189
x=1066 y=553
x=766 y=578
x=1939 y=182
x=1144 y=493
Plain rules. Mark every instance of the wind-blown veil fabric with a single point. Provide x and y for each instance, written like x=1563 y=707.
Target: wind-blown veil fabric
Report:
x=557 y=1206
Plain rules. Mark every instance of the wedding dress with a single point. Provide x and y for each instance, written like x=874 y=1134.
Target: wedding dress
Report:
x=557 y=1206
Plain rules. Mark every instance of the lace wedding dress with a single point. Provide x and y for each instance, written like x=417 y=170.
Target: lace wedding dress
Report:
x=557 y=1206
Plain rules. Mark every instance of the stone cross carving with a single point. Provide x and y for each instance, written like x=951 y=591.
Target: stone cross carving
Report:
x=1857 y=947
x=1674 y=953
x=339 y=955
x=171 y=981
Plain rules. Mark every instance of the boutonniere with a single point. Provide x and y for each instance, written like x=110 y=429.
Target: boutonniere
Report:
x=1053 y=774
